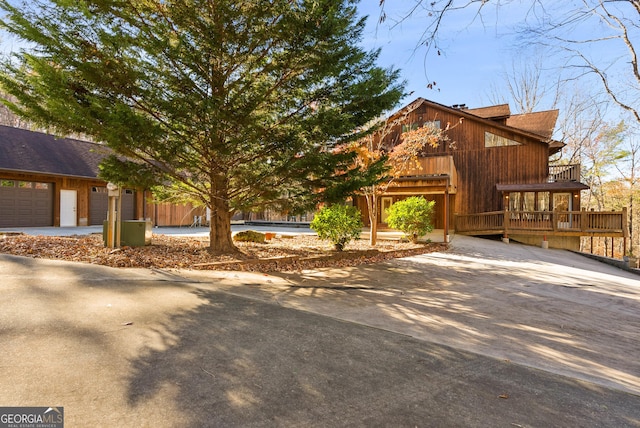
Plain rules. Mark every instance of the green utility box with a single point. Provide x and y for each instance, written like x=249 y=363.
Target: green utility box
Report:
x=134 y=233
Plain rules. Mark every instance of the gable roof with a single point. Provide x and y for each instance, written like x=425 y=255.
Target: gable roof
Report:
x=537 y=125
x=29 y=151
x=500 y=111
x=541 y=123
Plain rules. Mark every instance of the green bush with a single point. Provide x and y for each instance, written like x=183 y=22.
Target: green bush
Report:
x=249 y=236
x=412 y=216
x=338 y=224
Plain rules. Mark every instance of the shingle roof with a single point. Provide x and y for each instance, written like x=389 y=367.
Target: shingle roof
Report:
x=499 y=111
x=541 y=123
x=28 y=151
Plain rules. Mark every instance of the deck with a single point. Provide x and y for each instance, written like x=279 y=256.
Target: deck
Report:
x=557 y=223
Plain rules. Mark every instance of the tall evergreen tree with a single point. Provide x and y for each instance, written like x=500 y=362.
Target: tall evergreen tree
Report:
x=236 y=104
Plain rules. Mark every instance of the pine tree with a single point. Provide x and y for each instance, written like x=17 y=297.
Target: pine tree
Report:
x=237 y=105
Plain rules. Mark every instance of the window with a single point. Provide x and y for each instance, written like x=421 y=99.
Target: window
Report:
x=514 y=201
x=412 y=127
x=25 y=184
x=415 y=125
x=543 y=201
x=528 y=201
x=7 y=183
x=41 y=186
x=493 y=140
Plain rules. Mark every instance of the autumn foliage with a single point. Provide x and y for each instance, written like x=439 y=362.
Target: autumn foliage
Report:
x=401 y=152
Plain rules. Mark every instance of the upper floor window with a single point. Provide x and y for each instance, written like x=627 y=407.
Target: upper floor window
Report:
x=410 y=127
x=493 y=140
x=415 y=125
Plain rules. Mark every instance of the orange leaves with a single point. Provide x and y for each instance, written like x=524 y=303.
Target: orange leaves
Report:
x=417 y=139
x=366 y=155
x=405 y=156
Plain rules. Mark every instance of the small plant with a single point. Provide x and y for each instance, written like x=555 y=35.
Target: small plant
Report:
x=412 y=216
x=249 y=236
x=338 y=224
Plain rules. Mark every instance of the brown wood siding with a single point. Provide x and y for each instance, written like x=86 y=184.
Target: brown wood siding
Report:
x=437 y=219
x=166 y=214
x=81 y=185
x=480 y=168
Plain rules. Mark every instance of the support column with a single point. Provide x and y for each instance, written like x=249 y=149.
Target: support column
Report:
x=446 y=213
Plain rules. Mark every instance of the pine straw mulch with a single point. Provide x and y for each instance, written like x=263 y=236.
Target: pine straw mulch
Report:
x=283 y=253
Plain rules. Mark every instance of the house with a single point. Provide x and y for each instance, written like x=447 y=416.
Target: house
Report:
x=493 y=176
x=50 y=181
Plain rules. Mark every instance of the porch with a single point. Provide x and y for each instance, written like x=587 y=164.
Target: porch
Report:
x=547 y=224
x=561 y=223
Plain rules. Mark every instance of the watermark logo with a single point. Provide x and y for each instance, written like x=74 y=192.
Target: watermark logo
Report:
x=31 y=417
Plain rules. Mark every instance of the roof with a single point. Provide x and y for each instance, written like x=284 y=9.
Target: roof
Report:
x=541 y=123
x=36 y=152
x=538 y=125
x=499 y=111
x=542 y=187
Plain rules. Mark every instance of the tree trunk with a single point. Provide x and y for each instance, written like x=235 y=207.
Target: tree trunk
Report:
x=220 y=241
x=372 y=206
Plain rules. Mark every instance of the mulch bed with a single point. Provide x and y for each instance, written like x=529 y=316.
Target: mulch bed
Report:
x=283 y=253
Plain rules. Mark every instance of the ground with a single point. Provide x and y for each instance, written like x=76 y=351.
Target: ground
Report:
x=282 y=253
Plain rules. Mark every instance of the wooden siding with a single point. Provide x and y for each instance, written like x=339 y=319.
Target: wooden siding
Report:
x=81 y=185
x=438 y=216
x=480 y=168
x=166 y=214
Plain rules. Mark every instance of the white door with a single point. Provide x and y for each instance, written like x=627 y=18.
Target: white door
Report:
x=68 y=208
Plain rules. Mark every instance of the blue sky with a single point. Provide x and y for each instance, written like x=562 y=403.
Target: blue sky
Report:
x=475 y=55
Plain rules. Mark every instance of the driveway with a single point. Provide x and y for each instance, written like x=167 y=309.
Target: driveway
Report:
x=549 y=309
x=486 y=334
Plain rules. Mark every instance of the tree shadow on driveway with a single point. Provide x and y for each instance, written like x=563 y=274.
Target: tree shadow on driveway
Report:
x=239 y=362
x=556 y=315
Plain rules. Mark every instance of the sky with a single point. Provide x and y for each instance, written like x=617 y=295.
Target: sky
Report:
x=474 y=57
x=477 y=53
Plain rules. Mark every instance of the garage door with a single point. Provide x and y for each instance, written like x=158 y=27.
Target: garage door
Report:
x=99 y=205
x=26 y=204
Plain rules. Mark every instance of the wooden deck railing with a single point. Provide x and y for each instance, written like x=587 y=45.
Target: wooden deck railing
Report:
x=564 y=173
x=604 y=223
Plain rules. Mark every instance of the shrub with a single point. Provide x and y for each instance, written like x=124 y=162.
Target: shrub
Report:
x=412 y=216
x=249 y=236
x=338 y=224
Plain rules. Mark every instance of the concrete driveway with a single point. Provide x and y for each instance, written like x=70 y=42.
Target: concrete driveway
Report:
x=486 y=334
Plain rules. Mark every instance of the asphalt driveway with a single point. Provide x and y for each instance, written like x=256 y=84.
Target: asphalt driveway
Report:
x=486 y=334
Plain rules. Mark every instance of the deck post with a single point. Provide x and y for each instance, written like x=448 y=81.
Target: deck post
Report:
x=505 y=223
x=613 y=247
x=446 y=212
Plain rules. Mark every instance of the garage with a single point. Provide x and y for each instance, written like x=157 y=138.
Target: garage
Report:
x=99 y=205
x=26 y=203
